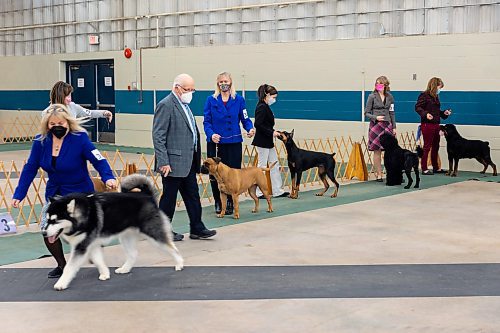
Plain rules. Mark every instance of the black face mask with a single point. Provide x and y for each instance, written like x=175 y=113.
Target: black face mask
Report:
x=58 y=131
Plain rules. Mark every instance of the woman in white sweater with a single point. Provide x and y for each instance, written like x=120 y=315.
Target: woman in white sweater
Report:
x=61 y=94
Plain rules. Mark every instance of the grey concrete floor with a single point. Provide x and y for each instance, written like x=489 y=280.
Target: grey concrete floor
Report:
x=456 y=223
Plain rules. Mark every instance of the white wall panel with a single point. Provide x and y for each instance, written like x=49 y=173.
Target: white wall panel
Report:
x=184 y=23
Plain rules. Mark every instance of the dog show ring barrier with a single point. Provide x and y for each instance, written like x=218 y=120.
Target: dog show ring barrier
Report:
x=19 y=127
x=353 y=159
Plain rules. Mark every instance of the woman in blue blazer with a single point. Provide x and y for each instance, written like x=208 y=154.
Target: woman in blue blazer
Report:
x=62 y=151
x=223 y=113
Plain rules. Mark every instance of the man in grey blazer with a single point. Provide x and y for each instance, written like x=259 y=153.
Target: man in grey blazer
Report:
x=176 y=140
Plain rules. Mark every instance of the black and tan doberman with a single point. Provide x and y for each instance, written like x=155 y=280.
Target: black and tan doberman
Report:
x=300 y=160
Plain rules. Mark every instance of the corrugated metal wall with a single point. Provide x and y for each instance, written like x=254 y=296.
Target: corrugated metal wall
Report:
x=62 y=26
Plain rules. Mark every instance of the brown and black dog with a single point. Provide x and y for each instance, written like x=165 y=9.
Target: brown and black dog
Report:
x=459 y=147
x=300 y=160
x=233 y=182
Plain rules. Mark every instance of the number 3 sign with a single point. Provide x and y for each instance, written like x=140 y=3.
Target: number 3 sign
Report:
x=7 y=224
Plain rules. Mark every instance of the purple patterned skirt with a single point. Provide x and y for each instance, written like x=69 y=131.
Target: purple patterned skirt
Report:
x=376 y=130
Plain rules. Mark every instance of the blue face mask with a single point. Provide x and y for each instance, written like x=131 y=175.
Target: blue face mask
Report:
x=438 y=91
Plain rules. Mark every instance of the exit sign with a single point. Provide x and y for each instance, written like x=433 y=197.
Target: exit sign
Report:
x=93 y=39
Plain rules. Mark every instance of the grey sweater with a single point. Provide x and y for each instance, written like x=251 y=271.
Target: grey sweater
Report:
x=79 y=112
x=375 y=107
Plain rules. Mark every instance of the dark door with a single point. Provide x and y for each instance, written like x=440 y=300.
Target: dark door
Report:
x=105 y=100
x=94 y=88
x=81 y=78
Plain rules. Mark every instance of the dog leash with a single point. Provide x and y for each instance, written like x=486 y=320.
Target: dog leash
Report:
x=105 y=126
x=231 y=136
x=225 y=137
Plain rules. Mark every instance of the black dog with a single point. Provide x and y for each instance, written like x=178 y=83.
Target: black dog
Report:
x=300 y=160
x=397 y=160
x=459 y=147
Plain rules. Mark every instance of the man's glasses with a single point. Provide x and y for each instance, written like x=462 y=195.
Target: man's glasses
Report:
x=188 y=90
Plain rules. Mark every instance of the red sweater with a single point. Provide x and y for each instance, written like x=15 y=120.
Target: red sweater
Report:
x=426 y=103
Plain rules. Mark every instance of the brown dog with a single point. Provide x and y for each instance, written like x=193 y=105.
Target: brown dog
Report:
x=99 y=185
x=233 y=182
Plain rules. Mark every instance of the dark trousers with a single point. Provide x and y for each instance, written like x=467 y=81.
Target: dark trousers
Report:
x=230 y=154
x=430 y=133
x=188 y=187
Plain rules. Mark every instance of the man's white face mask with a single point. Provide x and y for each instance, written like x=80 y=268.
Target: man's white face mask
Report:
x=187 y=97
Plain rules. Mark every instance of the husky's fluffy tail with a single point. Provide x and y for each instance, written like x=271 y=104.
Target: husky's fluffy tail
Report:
x=138 y=183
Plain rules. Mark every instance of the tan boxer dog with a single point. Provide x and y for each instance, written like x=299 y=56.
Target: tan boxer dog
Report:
x=99 y=185
x=233 y=182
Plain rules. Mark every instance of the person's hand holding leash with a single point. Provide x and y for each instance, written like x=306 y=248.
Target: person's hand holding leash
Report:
x=251 y=133
x=111 y=184
x=108 y=115
x=380 y=118
x=215 y=138
x=429 y=116
x=15 y=203
x=447 y=112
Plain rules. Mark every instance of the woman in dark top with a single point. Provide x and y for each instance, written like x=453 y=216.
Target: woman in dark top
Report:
x=429 y=109
x=264 y=137
x=379 y=110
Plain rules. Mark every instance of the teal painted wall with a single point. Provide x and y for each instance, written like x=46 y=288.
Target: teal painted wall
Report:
x=469 y=108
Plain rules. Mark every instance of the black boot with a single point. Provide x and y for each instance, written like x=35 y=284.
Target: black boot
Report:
x=57 y=252
x=55 y=273
x=229 y=207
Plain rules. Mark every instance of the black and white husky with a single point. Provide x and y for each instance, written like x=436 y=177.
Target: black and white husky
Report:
x=88 y=221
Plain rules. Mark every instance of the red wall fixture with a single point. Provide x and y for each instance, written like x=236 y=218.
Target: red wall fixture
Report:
x=127 y=53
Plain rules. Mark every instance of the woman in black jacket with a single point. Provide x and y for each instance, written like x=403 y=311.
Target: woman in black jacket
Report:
x=264 y=137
